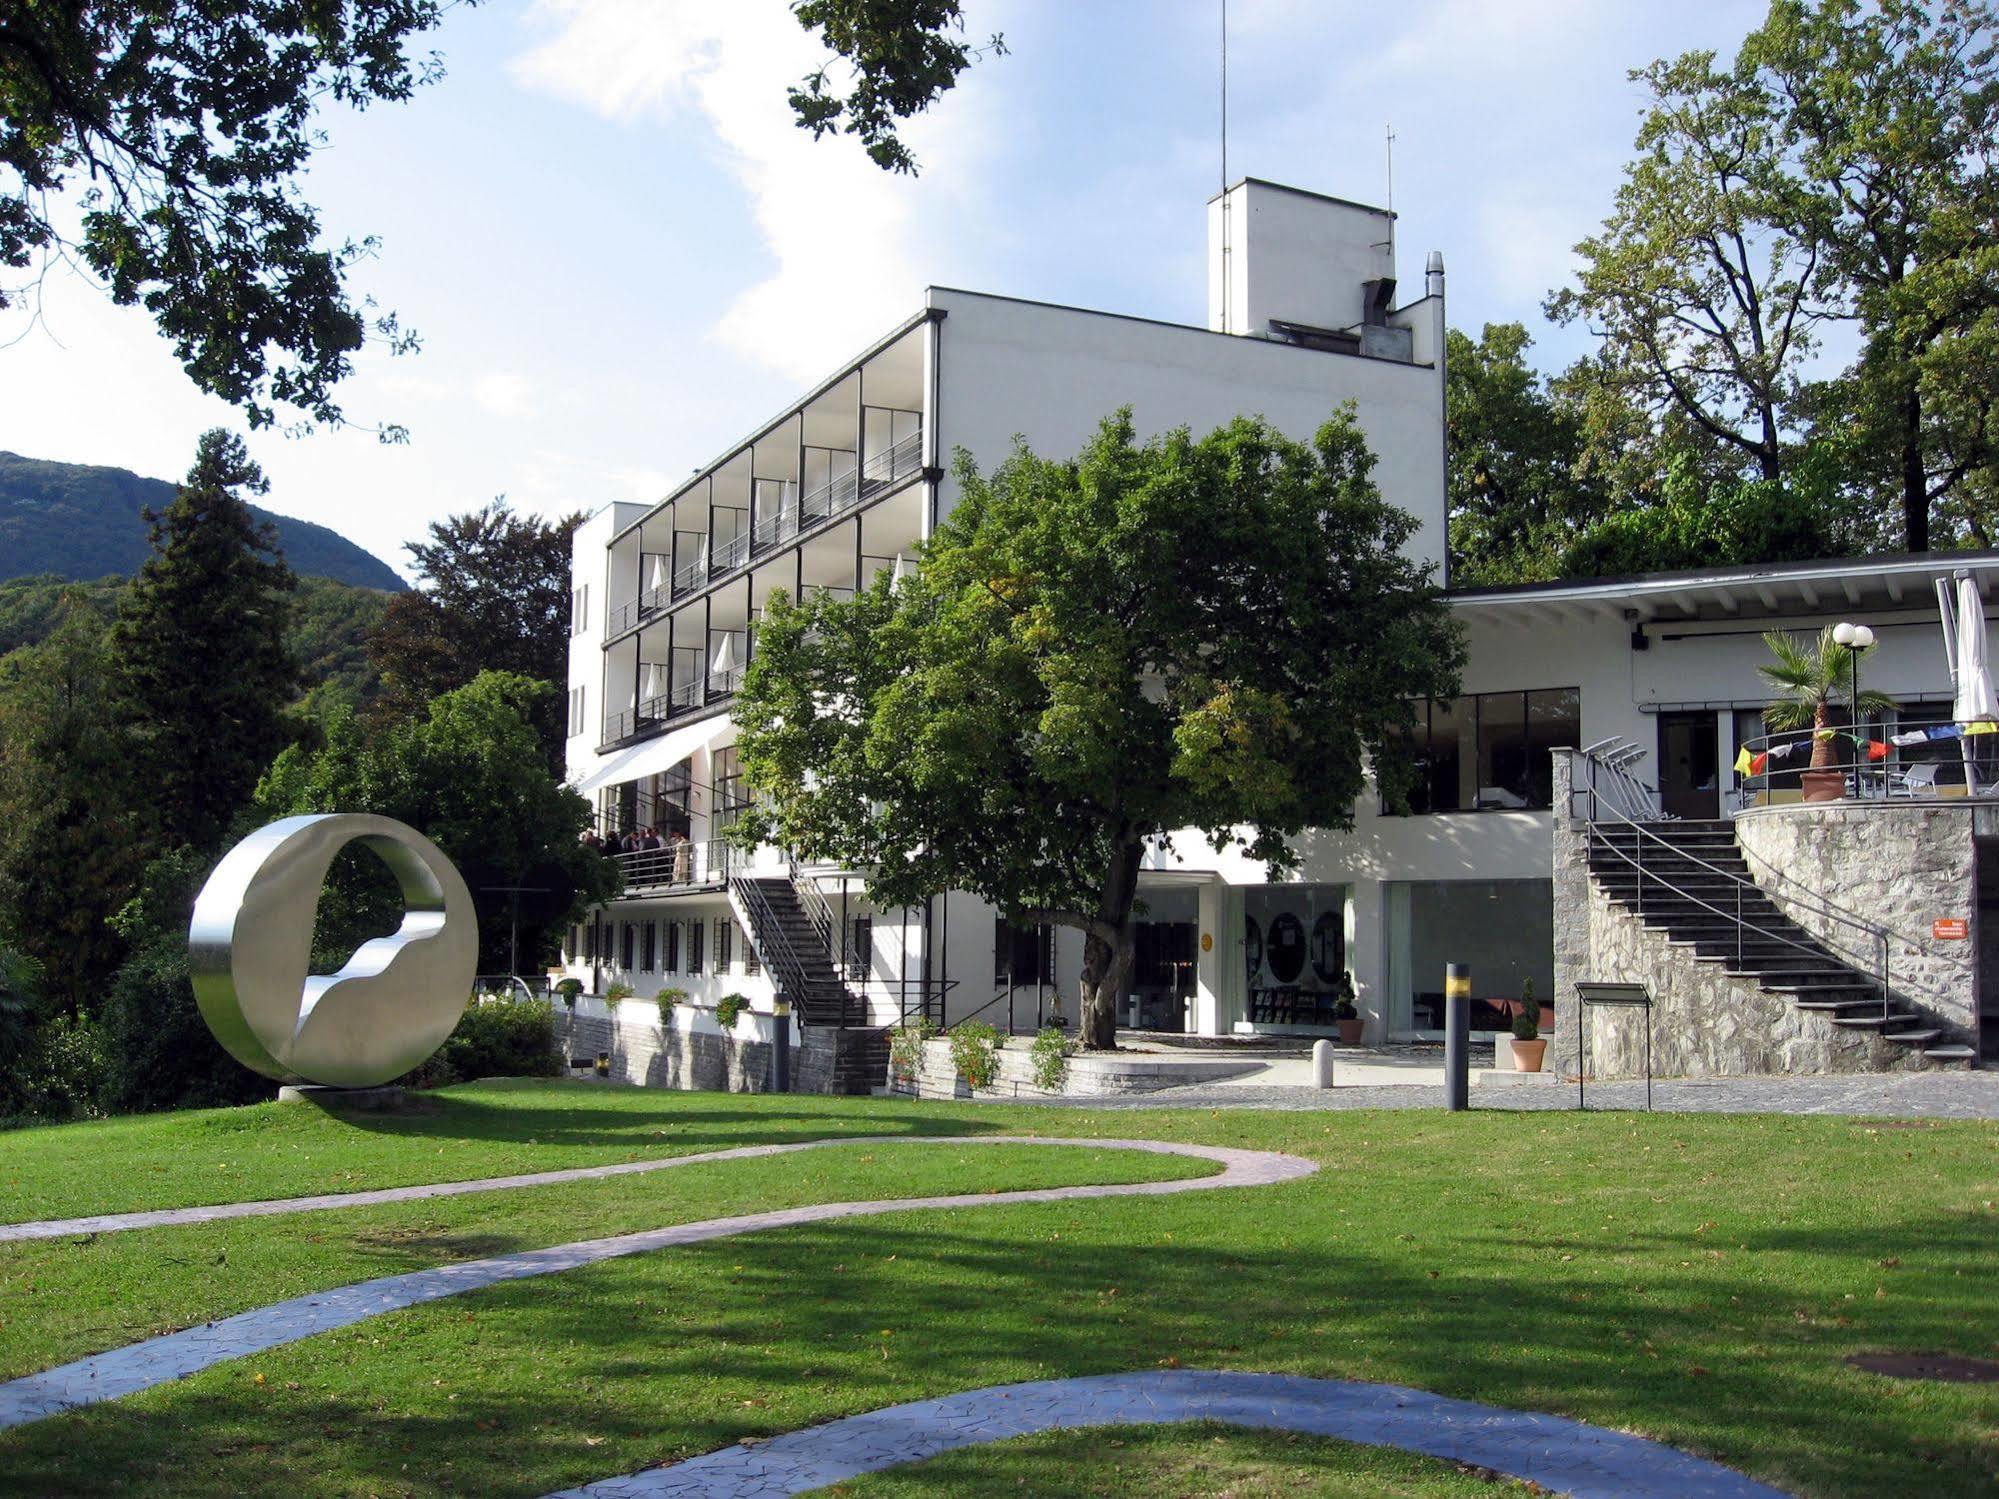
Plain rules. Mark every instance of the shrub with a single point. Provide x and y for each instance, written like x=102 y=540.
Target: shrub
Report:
x=905 y=1050
x=975 y=1053
x=616 y=995
x=1527 y=1023
x=727 y=1008
x=516 y=1040
x=666 y=999
x=569 y=989
x=1050 y=1054
x=160 y=1053
x=66 y=1072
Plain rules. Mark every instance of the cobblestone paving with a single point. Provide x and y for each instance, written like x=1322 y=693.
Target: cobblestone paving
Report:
x=140 y=1366
x=1566 y=1456
x=1929 y=1095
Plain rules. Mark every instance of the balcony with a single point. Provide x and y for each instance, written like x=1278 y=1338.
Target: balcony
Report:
x=681 y=866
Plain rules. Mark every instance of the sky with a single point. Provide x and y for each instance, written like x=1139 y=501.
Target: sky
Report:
x=622 y=254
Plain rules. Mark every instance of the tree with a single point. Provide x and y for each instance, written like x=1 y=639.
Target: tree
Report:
x=180 y=129
x=1889 y=118
x=177 y=134
x=495 y=598
x=470 y=775
x=68 y=859
x=1516 y=490
x=1812 y=679
x=1705 y=306
x=905 y=57
x=203 y=672
x=1210 y=634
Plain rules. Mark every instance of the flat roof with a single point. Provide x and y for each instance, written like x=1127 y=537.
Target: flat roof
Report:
x=1302 y=192
x=1779 y=587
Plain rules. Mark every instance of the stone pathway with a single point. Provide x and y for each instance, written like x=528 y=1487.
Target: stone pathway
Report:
x=123 y=1371
x=106 y=1223
x=1901 y=1095
x=1567 y=1456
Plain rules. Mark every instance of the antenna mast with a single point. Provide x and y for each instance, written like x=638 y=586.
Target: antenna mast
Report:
x=1390 y=204
x=1227 y=207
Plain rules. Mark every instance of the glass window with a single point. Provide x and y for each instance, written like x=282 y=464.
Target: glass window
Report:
x=672 y=947
x=1503 y=929
x=696 y=932
x=1490 y=752
x=725 y=931
x=1502 y=751
x=860 y=946
x=751 y=962
x=626 y=932
x=1023 y=955
x=649 y=948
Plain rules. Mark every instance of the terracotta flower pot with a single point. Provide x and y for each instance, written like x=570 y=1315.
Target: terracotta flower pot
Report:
x=1823 y=785
x=1527 y=1055
x=1349 y=1031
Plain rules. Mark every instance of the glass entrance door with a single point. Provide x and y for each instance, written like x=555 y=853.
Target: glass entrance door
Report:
x=1689 y=767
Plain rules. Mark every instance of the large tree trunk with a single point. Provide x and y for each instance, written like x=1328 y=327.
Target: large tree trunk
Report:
x=1915 y=480
x=1107 y=960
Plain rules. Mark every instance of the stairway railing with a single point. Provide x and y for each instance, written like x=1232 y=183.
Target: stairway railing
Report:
x=1610 y=786
x=774 y=945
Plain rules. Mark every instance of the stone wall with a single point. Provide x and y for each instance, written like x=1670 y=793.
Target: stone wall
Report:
x=840 y=1061
x=691 y=1053
x=1572 y=917
x=1089 y=1074
x=1897 y=865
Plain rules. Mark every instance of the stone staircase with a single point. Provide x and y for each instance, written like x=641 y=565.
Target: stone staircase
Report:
x=793 y=953
x=1689 y=881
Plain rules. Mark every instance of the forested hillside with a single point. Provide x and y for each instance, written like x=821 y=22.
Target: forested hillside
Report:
x=79 y=521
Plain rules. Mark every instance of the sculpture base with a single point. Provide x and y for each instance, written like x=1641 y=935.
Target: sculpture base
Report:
x=387 y=1100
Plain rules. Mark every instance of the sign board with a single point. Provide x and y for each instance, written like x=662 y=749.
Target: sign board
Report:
x=1950 y=929
x=1207 y=942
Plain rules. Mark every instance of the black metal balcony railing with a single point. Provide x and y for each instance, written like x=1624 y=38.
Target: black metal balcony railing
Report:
x=688 y=865
x=712 y=563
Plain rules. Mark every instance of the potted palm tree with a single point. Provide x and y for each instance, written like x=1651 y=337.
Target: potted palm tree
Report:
x=1814 y=679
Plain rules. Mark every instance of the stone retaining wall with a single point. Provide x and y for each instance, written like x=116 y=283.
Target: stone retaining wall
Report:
x=1089 y=1075
x=1898 y=865
x=690 y=1053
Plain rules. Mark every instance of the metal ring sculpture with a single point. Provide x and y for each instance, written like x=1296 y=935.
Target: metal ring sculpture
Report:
x=389 y=1008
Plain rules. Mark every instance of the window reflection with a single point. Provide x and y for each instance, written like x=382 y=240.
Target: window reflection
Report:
x=1490 y=751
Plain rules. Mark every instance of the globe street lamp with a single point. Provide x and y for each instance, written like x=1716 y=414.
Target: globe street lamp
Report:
x=1856 y=638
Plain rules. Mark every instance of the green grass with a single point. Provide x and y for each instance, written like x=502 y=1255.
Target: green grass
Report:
x=482 y=1129
x=1197 y=1460
x=1696 y=1279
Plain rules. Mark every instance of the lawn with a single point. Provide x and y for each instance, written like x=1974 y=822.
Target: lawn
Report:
x=1197 y=1460
x=1696 y=1279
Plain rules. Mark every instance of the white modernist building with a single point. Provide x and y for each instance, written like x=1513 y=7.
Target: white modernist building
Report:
x=1304 y=316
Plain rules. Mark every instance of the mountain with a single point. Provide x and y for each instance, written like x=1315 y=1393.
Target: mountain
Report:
x=77 y=521
x=329 y=633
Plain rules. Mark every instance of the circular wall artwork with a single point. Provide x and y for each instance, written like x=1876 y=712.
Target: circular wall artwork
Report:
x=1252 y=945
x=1329 y=947
x=1287 y=948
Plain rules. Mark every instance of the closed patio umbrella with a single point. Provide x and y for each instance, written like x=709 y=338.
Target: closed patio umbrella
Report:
x=1974 y=706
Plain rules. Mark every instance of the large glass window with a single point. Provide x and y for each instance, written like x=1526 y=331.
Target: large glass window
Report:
x=1505 y=931
x=1490 y=751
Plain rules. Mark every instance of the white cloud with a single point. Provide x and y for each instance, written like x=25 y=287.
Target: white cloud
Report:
x=504 y=394
x=851 y=244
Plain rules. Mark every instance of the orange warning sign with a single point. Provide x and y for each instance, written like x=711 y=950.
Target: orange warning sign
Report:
x=1950 y=929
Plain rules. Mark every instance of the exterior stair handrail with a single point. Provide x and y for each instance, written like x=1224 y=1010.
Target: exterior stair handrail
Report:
x=783 y=958
x=1613 y=797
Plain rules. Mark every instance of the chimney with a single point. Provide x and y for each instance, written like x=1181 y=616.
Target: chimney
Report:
x=1433 y=274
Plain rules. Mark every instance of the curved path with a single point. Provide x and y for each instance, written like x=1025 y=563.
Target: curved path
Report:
x=139 y=1366
x=1569 y=1457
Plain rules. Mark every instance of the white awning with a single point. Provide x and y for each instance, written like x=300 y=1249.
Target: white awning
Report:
x=658 y=754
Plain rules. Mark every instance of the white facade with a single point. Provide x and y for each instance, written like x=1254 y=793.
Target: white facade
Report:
x=852 y=478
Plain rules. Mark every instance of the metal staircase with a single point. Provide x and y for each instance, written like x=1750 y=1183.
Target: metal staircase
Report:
x=1690 y=881
x=791 y=947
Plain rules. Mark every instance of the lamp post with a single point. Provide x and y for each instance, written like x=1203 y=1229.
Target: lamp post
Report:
x=1856 y=638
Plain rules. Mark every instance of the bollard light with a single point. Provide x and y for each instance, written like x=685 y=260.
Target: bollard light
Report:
x=1457 y=1037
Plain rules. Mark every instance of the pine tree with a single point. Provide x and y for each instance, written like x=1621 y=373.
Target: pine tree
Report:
x=203 y=669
